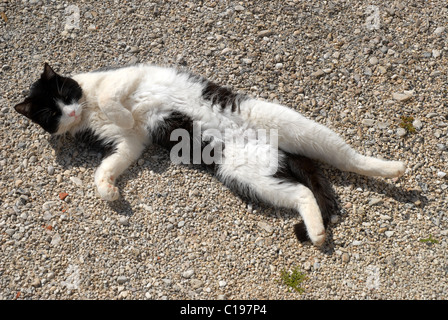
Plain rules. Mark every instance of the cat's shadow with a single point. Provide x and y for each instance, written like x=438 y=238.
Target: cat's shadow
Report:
x=72 y=154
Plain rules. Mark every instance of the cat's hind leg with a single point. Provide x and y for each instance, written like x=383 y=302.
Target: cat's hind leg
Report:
x=249 y=172
x=299 y=135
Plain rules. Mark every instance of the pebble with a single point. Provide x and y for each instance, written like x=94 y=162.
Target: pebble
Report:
x=36 y=283
x=76 y=181
x=188 y=274
x=375 y=201
x=317 y=74
x=122 y=279
x=239 y=8
x=56 y=240
x=368 y=122
x=441 y=174
x=50 y=170
x=373 y=61
x=401 y=132
x=402 y=97
x=418 y=125
x=265 y=226
x=196 y=283
x=439 y=30
x=389 y=233
x=124 y=221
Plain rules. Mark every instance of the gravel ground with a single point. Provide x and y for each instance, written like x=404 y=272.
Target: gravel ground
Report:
x=177 y=233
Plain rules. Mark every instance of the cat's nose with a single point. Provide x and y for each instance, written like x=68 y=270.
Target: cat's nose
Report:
x=72 y=114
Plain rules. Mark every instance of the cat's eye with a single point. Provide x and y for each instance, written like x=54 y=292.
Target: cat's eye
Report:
x=54 y=114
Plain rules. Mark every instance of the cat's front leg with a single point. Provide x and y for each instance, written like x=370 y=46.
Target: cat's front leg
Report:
x=118 y=114
x=111 y=106
x=127 y=151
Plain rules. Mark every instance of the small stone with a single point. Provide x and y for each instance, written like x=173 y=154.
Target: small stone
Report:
x=187 y=274
x=389 y=233
x=368 y=71
x=181 y=224
x=91 y=27
x=373 y=61
x=222 y=283
x=56 y=239
x=134 y=49
x=278 y=65
x=417 y=124
x=122 y=279
x=382 y=69
x=266 y=227
x=46 y=216
x=264 y=33
x=246 y=61
x=334 y=219
x=239 y=8
x=375 y=201
x=124 y=221
x=307 y=266
x=36 y=283
x=196 y=283
x=436 y=53
x=401 y=132
x=225 y=50
x=50 y=170
x=402 y=97
x=76 y=181
x=439 y=30
x=368 y=122
x=317 y=74
x=345 y=257
x=63 y=195
x=441 y=174
x=336 y=55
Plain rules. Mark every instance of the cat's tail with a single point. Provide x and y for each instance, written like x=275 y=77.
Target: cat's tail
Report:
x=308 y=173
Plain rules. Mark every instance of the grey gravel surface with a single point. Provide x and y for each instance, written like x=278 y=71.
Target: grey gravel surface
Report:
x=177 y=233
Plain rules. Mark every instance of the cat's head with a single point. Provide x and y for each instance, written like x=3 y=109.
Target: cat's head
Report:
x=53 y=102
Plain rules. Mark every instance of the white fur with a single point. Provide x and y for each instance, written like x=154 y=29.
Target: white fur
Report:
x=124 y=104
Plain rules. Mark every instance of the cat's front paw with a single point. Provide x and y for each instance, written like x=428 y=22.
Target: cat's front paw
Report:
x=107 y=191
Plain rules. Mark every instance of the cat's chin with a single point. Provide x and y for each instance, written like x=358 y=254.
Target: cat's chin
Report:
x=67 y=124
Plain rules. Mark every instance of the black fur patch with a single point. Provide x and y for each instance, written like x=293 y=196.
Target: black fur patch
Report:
x=177 y=120
x=305 y=171
x=92 y=140
x=221 y=96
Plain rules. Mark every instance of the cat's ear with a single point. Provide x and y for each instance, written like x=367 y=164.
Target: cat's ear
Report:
x=48 y=72
x=24 y=108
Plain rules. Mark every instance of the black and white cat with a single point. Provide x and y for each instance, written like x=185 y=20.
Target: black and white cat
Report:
x=126 y=109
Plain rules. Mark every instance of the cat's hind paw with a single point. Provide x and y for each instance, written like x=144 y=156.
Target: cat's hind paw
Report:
x=108 y=191
x=393 y=169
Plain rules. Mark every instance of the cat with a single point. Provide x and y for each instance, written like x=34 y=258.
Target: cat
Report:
x=125 y=109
